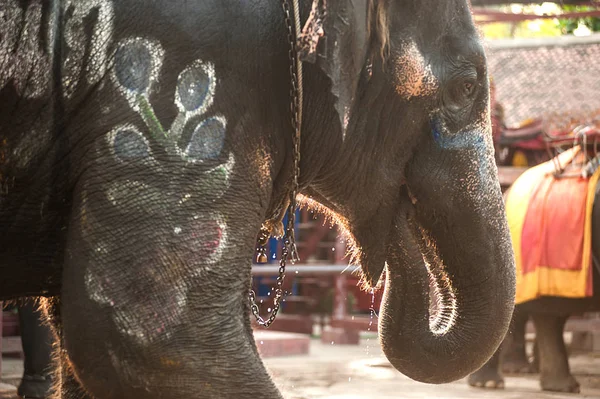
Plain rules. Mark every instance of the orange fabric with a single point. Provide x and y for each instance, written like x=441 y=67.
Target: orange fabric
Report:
x=535 y=277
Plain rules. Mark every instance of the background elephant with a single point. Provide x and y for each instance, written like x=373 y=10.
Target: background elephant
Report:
x=549 y=315
x=145 y=142
x=36 y=340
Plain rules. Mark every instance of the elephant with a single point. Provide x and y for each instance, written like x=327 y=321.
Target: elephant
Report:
x=36 y=339
x=144 y=143
x=549 y=315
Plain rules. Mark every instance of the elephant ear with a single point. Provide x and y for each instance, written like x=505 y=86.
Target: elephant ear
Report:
x=343 y=50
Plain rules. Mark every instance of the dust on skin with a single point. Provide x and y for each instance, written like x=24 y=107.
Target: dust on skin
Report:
x=263 y=164
x=413 y=75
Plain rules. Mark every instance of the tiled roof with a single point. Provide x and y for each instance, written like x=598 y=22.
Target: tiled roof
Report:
x=556 y=79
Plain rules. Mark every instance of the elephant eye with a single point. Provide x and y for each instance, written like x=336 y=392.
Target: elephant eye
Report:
x=129 y=144
x=207 y=139
x=461 y=91
x=469 y=88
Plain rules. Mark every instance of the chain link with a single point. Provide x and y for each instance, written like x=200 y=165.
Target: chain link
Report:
x=289 y=239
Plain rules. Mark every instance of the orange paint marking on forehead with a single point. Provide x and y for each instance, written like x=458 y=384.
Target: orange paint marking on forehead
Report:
x=413 y=76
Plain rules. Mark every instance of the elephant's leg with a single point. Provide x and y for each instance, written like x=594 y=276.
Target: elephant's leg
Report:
x=36 y=338
x=535 y=363
x=514 y=359
x=489 y=375
x=554 y=361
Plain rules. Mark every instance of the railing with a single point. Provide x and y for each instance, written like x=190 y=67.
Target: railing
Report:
x=268 y=270
x=341 y=272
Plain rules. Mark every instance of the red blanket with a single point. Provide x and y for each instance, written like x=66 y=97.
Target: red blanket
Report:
x=551 y=229
x=555 y=224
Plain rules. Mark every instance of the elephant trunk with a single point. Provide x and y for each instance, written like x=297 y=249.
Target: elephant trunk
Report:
x=473 y=283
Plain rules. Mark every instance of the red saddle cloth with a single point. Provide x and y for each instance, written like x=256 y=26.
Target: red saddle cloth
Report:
x=554 y=228
x=550 y=226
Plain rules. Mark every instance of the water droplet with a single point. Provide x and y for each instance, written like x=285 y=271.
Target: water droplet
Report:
x=331 y=342
x=268 y=309
x=177 y=230
x=332 y=249
x=349 y=379
x=296 y=271
x=261 y=342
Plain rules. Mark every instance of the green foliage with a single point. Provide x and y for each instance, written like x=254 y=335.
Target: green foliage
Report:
x=567 y=26
x=540 y=27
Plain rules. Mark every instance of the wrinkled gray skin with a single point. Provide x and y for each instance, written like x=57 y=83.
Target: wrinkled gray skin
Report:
x=144 y=143
x=549 y=315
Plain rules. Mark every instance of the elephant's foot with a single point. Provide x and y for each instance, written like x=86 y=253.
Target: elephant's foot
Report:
x=486 y=377
x=35 y=387
x=560 y=384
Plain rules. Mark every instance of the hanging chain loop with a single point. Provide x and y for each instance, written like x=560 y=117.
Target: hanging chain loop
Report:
x=292 y=21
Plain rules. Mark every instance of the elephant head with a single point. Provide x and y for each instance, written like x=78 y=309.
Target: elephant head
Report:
x=182 y=149
x=414 y=180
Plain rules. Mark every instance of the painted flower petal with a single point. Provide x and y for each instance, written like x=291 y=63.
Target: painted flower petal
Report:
x=207 y=140
x=129 y=144
x=133 y=66
x=193 y=87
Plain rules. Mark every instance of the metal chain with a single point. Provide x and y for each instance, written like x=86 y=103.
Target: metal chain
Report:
x=296 y=94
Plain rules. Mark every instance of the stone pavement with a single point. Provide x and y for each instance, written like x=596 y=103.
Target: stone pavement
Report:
x=361 y=372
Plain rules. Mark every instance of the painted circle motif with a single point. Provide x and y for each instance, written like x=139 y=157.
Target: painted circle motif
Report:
x=133 y=66
x=207 y=140
x=193 y=87
x=129 y=144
